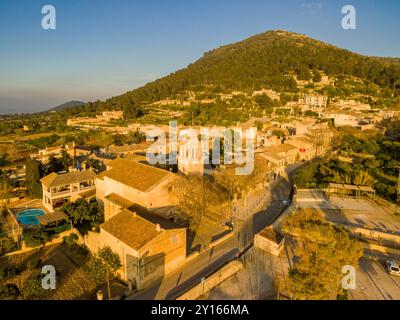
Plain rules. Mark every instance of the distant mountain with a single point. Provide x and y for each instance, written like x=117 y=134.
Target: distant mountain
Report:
x=69 y=104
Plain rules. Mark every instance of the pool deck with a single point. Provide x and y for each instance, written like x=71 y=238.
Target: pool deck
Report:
x=29 y=204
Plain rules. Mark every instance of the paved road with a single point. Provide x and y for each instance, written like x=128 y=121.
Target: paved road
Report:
x=373 y=282
x=190 y=274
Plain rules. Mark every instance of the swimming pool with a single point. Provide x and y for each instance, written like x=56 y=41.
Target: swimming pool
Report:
x=28 y=217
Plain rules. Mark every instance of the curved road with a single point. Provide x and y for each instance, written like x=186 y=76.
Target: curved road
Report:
x=176 y=283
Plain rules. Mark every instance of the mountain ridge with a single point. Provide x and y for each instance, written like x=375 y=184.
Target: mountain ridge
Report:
x=66 y=105
x=273 y=59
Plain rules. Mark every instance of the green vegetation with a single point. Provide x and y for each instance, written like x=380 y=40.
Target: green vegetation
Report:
x=33 y=175
x=35 y=238
x=271 y=60
x=104 y=266
x=32 y=288
x=196 y=195
x=7 y=273
x=71 y=240
x=325 y=250
x=372 y=160
x=9 y=292
x=84 y=215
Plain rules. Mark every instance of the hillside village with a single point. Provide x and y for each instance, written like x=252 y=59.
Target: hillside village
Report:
x=141 y=220
x=78 y=191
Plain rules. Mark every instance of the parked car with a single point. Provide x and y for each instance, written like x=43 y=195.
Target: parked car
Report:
x=393 y=267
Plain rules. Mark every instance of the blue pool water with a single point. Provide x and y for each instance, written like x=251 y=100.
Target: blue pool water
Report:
x=28 y=217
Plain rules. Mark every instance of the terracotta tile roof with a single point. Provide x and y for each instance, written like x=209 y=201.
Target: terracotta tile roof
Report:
x=88 y=194
x=128 y=148
x=300 y=141
x=134 y=174
x=278 y=148
x=56 y=180
x=132 y=229
x=118 y=200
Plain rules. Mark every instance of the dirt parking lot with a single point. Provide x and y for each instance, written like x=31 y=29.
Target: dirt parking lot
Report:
x=359 y=212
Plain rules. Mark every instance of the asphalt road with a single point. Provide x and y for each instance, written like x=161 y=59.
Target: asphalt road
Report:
x=373 y=282
x=209 y=261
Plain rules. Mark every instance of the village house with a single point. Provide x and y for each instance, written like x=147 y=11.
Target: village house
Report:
x=305 y=147
x=59 y=188
x=342 y=118
x=43 y=155
x=149 y=247
x=268 y=92
x=300 y=127
x=106 y=116
x=135 y=182
x=126 y=149
x=279 y=157
x=313 y=102
x=354 y=105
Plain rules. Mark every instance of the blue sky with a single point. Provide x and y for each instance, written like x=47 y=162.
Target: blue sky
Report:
x=104 y=48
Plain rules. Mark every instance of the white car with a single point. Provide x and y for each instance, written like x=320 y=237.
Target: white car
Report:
x=393 y=267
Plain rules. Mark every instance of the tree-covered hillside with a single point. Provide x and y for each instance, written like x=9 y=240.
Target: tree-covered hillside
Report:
x=275 y=60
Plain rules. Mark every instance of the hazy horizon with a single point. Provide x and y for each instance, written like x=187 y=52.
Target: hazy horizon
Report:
x=103 y=50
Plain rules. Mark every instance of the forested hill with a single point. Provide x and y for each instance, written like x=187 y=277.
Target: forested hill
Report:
x=268 y=60
x=67 y=105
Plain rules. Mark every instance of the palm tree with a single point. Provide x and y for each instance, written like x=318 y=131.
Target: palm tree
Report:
x=363 y=178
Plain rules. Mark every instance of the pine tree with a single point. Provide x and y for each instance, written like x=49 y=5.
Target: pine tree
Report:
x=33 y=186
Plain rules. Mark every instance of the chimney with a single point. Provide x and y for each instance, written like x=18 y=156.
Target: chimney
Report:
x=158 y=228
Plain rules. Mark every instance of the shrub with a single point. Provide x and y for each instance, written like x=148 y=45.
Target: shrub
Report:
x=9 y=292
x=33 y=263
x=33 y=286
x=70 y=240
x=36 y=238
x=8 y=272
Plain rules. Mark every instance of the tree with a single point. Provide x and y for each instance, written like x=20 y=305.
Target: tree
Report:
x=132 y=111
x=82 y=212
x=5 y=187
x=104 y=266
x=33 y=186
x=36 y=238
x=362 y=178
x=9 y=291
x=305 y=176
x=12 y=152
x=228 y=181
x=264 y=102
x=32 y=287
x=54 y=165
x=317 y=76
x=195 y=195
x=66 y=160
x=325 y=251
x=71 y=240
x=95 y=164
